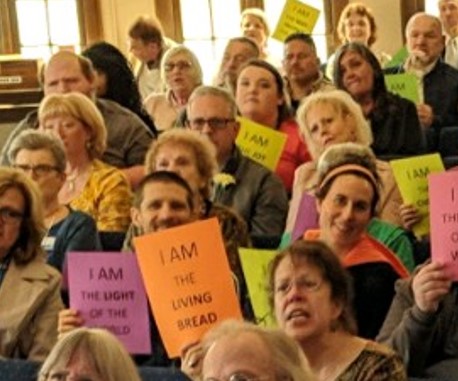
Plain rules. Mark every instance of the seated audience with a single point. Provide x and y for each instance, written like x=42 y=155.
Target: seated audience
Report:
x=421 y=324
x=260 y=97
x=347 y=197
x=238 y=51
x=250 y=189
x=29 y=288
x=393 y=119
x=329 y=118
x=89 y=354
x=181 y=72
x=42 y=157
x=115 y=81
x=301 y=66
x=147 y=44
x=162 y=200
x=91 y=186
x=310 y=293
x=438 y=81
x=128 y=137
x=193 y=157
x=357 y=24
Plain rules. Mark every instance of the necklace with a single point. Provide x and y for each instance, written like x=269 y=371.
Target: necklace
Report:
x=71 y=182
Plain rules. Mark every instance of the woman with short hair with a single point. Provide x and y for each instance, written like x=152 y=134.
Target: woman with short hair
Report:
x=310 y=294
x=42 y=157
x=89 y=354
x=181 y=72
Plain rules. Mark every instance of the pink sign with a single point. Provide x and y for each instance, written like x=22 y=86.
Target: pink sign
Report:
x=443 y=199
x=107 y=290
x=307 y=216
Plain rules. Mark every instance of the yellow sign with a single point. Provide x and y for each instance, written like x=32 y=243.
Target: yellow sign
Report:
x=255 y=264
x=295 y=17
x=261 y=144
x=404 y=84
x=411 y=175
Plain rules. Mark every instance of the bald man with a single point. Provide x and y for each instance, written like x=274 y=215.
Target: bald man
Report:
x=438 y=106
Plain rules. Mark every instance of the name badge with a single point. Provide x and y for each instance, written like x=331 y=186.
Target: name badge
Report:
x=48 y=243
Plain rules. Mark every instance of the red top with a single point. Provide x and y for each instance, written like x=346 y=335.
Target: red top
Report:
x=367 y=250
x=294 y=153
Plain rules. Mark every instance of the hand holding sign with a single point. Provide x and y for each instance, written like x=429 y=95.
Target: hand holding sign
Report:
x=188 y=281
x=411 y=175
x=443 y=195
x=107 y=291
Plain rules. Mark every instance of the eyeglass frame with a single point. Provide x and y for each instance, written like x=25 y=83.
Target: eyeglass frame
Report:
x=66 y=376
x=36 y=169
x=10 y=216
x=181 y=65
x=221 y=123
x=241 y=376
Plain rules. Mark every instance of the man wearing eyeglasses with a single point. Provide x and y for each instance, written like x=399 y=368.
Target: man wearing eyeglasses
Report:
x=254 y=191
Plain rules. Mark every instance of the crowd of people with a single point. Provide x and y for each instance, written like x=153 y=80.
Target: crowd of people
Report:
x=116 y=151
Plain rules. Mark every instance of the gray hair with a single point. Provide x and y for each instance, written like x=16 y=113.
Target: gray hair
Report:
x=215 y=92
x=196 y=69
x=33 y=140
x=288 y=361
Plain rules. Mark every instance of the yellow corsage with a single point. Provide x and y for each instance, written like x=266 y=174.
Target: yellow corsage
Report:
x=224 y=179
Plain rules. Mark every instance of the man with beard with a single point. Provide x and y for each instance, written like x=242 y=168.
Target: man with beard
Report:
x=302 y=68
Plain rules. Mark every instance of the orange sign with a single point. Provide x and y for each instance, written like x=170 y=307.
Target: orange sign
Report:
x=188 y=281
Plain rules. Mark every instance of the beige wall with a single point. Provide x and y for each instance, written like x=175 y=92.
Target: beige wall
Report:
x=117 y=15
x=387 y=15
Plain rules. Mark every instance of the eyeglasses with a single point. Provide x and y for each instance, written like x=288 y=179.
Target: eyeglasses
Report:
x=305 y=284
x=37 y=170
x=214 y=123
x=65 y=375
x=180 y=65
x=10 y=216
x=241 y=377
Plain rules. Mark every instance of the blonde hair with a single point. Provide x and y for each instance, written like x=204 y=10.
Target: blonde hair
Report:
x=108 y=356
x=28 y=244
x=82 y=108
x=343 y=104
x=259 y=14
x=204 y=152
x=288 y=361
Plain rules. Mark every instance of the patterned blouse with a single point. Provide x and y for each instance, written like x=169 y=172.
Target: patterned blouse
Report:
x=106 y=197
x=375 y=363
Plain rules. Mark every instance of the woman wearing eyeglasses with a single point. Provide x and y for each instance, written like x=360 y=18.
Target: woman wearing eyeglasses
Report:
x=181 y=73
x=29 y=288
x=42 y=157
x=310 y=294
